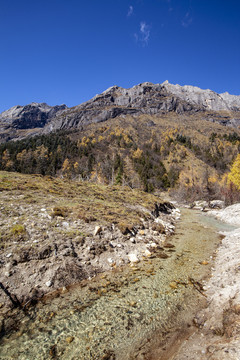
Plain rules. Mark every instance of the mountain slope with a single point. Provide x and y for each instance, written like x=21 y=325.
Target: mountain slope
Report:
x=145 y=98
x=152 y=137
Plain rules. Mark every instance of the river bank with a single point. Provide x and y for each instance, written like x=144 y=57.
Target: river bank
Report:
x=217 y=332
x=214 y=333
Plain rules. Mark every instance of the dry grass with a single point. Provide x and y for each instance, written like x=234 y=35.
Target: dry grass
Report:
x=91 y=202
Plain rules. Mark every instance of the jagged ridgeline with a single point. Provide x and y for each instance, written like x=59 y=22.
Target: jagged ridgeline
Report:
x=150 y=137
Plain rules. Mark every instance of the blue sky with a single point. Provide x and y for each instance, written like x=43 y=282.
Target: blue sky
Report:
x=66 y=51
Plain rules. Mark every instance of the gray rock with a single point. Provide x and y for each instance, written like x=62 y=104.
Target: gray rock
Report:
x=30 y=116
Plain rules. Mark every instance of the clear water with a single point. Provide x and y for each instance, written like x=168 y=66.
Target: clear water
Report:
x=117 y=311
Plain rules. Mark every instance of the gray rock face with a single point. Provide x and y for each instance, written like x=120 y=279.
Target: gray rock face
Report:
x=206 y=99
x=145 y=98
x=29 y=116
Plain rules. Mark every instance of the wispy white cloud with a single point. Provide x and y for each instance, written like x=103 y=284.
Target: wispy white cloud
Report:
x=130 y=11
x=187 y=20
x=144 y=33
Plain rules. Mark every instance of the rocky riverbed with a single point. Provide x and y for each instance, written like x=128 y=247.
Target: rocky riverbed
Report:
x=217 y=332
x=142 y=304
x=123 y=313
x=53 y=235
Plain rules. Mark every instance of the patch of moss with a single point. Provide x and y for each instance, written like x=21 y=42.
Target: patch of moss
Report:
x=59 y=211
x=18 y=229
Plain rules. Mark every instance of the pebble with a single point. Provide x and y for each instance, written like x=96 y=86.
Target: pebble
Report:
x=133 y=258
x=133 y=303
x=48 y=283
x=173 y=285
x=69 y=339
x=97 y=230
x=147 y=253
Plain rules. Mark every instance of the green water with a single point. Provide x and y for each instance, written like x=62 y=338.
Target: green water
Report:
x=111 y=315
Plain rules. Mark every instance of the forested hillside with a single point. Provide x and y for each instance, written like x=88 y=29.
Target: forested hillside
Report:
x=183 y=153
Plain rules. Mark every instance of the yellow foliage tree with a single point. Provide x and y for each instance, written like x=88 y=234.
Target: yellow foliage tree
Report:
x=137 y=154
x=234 y=175
x=66 y=168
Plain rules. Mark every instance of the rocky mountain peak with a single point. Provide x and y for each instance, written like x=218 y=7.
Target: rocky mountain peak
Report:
x=206 y=99
x=30 y=116
x=144 y=98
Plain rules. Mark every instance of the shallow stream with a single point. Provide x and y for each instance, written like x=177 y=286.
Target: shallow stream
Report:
x=113 y=315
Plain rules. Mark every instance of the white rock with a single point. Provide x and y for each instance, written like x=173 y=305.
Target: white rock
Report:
x=97 y=230
x=133 y=258
x=110 y=260
x=217 y=204
x=153 y=245
x=147 y=253
x=9 y=255
x=65 y=224
x=48 y=283
x=230 y=214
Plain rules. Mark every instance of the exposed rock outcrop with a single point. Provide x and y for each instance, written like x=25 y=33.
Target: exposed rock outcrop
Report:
x=30 y=116
x=145 y=98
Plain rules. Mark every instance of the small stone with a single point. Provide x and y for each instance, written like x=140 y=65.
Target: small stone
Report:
x=169 y=246
x=48 y=283
x=237 y=309
x=133 y=258
x=132 y=239
x=9 y=255
x=162 y=255
x=153 y=245
x=147 y=253
x=204 y=262
x=173 y=285
x=133 y=303
x=97 y=230
x=69 y=339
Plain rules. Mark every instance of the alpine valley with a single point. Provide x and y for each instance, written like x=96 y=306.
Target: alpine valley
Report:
x=151 y=136
x=96 y=262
